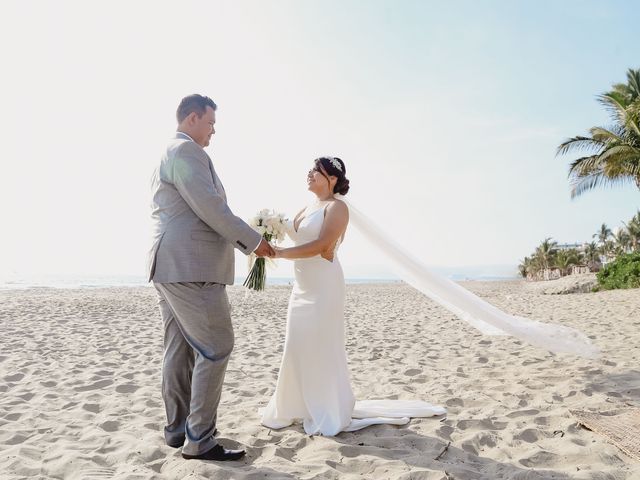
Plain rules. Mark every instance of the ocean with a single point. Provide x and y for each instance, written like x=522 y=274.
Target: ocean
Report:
x=74 y=281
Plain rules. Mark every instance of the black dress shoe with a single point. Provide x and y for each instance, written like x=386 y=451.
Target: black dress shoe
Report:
x=180 y=442
x=217 y=453
x=177 y=443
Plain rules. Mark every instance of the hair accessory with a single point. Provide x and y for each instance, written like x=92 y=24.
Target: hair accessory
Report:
x=335 y=163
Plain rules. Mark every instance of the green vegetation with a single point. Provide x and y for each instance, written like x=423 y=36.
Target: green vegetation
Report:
x=606 y=248
x=612 y=158
x=623 y=272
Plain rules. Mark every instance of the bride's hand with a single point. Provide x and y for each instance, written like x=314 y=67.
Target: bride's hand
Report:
x=278 y=251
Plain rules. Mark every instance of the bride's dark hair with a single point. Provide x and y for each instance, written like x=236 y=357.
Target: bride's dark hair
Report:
x=330 y=165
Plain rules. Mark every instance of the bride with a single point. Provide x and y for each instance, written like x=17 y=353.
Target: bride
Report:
x=313 y=384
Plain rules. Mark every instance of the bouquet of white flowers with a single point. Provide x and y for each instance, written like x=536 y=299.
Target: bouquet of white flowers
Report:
x=271 y=226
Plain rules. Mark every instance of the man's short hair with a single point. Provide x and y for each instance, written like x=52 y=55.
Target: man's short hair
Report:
x=194 y=103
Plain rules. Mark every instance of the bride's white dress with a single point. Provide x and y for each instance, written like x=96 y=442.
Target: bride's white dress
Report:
x=314 y=384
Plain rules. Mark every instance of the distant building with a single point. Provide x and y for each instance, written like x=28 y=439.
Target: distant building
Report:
x=569 y=246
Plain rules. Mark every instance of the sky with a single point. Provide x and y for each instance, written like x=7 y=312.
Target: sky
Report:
x=447 y=115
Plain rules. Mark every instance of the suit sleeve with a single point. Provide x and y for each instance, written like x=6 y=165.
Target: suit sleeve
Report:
x=192 y=178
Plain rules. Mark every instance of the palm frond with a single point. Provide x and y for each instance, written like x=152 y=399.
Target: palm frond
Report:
x=614 y=134
x=619 y=153
x=585 y=166
x=633 y=82
x=633 y=119
x=615 y=103
x=580 y=143
x=582 y=184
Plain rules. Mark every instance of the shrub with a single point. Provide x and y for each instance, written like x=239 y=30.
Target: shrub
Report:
x=623 y=272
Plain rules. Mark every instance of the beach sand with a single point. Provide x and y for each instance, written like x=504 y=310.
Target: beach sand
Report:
x=80 y=388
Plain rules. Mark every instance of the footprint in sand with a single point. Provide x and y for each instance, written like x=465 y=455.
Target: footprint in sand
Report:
x=445 y=432
x=156 y=466
x=530 y=435
x=110 y=426
x=14 y=378
x=485 y=424
x=547 y=459
x=544 y=421
x=94 y=386
x=127 y=388
x=16 y=439
x=91 y=407
x=487 y=439
x=523 y=413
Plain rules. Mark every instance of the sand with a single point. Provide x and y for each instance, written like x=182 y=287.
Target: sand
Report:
x=80 y=388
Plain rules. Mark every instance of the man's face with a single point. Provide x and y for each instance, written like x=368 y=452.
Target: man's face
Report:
x=203 y=127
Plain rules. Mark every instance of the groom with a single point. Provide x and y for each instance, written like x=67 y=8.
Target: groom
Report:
x=190 y=263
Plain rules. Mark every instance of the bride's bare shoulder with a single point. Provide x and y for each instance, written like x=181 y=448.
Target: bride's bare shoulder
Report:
x=338 y=206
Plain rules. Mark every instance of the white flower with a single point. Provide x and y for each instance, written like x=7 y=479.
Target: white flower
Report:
x=270 y=223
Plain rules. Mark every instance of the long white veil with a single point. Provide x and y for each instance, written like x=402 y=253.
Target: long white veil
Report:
x=464 y=304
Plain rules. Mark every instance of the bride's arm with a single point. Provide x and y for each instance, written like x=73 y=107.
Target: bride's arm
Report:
x=335 y=223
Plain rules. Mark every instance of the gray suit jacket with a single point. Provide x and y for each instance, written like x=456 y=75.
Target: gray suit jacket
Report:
x=194 y=231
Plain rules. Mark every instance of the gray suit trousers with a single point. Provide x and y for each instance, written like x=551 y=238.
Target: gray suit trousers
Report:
x=198 y=339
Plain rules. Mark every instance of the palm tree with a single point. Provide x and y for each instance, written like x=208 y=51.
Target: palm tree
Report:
x=525 y=267
x=633 y=230
x=545 y=252
x=591 y=255
x=607 y=249
x=565 y=259
x=627 y=93
x=622 y=241
x=603 y=234
x=613 y=154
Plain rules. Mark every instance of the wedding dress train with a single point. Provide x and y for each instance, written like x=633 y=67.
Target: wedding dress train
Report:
x=313 y=384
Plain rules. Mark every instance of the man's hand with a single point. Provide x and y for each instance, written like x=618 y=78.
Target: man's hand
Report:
x=265 y=249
